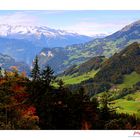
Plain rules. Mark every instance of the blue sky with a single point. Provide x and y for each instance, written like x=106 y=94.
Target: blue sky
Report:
x=83 y=22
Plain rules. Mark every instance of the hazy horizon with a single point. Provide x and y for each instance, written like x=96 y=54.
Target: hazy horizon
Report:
x=85 y=22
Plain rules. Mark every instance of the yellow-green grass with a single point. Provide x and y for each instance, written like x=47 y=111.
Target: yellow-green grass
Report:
x=129 y=80
x=69 y=80
x=132 y=106
x=129 y=104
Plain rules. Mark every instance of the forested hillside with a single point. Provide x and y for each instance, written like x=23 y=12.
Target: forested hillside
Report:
x=36 y=104
x=110 y=72
x=121 y=63
x=119 y=76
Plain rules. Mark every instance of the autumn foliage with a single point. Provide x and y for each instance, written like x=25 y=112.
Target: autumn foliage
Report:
x=15 y=111
x=34 y=103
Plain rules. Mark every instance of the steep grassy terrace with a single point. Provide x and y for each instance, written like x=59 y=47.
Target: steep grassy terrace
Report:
x=129 y=80
x=129 y=104
x=69 y=80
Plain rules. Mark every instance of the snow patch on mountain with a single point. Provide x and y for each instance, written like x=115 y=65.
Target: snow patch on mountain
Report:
x=47 y=54
x=43 y=54
x=50 y=54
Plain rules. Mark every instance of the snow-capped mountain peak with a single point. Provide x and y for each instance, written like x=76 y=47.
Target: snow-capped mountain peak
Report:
x=42 y=36
x=6 y=30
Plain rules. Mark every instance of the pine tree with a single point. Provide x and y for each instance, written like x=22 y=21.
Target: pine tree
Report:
x=106 y=106
x=35 y=73
x=60 y=84
x=47 y=76
x=1 y=75
x=34 y=85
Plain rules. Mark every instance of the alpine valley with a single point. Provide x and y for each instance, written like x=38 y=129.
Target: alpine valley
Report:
x=61 y=49
x=73 y=81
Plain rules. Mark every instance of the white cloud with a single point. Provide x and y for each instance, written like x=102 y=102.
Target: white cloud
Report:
x=92 y=28
x=18 y=18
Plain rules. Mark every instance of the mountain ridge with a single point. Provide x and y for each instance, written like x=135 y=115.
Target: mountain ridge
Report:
x=107 y=73
x=108 y=46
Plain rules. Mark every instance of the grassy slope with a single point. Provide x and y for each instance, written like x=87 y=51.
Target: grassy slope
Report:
x=124 y=105
x=129 y=80
x=129 y=106
x=68 y=80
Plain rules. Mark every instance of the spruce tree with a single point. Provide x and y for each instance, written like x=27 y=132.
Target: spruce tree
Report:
x=34 y=85
x=60 y=84
x=106 y=106
x=35 y=73
x=47 y=76
x=1 y=75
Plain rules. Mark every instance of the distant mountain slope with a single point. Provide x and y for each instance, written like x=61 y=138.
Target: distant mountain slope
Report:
x=92 y=64
x=20 y=50
x=130 y=31
x=7 y=62
x=80 y=53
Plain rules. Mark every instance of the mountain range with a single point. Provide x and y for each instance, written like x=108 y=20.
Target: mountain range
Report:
x=23 y=43
x=60 y=49
x=42 y=35
x=62 y=58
